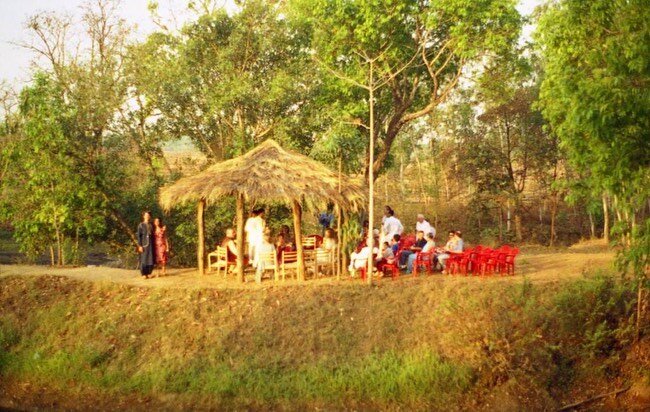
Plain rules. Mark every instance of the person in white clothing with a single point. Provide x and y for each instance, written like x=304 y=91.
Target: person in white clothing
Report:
x=392 y=226
x=423 y=225
x=265 y=246
x=254 y=229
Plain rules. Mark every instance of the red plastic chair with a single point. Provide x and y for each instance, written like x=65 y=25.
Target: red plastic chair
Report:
x=509 y=262
x=487 y=261
x=452 y=265
x=423 y=259
x=460 y=264
x=392 y=266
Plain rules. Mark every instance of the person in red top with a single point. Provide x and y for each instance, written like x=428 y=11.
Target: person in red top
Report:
x=229 y=243
x=161 y=244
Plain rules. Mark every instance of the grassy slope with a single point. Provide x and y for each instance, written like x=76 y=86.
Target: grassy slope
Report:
x=419 y=344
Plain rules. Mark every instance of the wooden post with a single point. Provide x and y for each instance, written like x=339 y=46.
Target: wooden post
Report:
x=371 y=173
x=200 y=247
x=339 y=222
x=339 y=216
x=240 y=237
x=297 y=230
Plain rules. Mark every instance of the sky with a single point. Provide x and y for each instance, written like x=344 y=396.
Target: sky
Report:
x=15 y=60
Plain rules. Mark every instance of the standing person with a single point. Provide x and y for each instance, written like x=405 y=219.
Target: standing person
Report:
x=264 y=246
x=161 y=244
x=254 y=229
x=387 y=210
x=423 y=225
x=392 y=226
x=146 y=245
x=326 y=219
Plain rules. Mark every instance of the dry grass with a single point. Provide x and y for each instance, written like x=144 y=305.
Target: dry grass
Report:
x=431 y=343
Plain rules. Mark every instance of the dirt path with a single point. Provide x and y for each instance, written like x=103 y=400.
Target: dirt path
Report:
x=537 y=265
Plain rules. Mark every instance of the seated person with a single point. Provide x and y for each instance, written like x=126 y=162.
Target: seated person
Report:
x=329 y=244
x=229 y=243
x=287 y=234
x=394 y=243
x=454 y=246
x=360 y=259
x=386 y=256
x=281 y=245
x=330 y=240
x=420 y=241
x=265 y=246
x=430 y=246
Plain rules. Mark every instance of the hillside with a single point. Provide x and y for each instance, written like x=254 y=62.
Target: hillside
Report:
x=532 y=342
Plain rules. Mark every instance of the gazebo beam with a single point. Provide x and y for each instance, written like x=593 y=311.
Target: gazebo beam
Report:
x=297 y=227
x=200 y=249
x=240 y=237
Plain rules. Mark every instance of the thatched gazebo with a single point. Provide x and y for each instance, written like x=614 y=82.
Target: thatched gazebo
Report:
x=270 y=173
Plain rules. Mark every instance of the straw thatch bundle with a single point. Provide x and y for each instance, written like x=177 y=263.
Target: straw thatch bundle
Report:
x=269 y=173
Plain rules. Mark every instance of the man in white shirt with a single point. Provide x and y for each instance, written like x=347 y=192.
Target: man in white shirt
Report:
x=254 y=229
x=392 y=226
x=423 y=225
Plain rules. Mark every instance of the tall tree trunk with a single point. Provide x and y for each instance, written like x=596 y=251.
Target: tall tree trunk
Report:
x=639 y=308
x=518 y=229
x=592 y=226
x=52 y=263
x=200 y=247
x=371 y=187
x=297 y=228
x=423 y=195
x=554 y=207
x=240 y=236
x=500 y=223
x=401 y=176
x=508 y=217
x=605 y=217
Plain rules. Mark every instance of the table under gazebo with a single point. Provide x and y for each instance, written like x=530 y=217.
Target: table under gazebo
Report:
x=266 y=173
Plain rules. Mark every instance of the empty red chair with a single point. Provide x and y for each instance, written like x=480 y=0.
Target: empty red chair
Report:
x=509 y=262
x=461 y=264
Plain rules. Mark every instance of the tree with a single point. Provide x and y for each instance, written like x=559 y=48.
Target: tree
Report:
x=421 y=51
x=46 y=198
x=596 y=96
x=228 y=82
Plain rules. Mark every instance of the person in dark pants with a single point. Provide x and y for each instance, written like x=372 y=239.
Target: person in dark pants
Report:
x=146 y=245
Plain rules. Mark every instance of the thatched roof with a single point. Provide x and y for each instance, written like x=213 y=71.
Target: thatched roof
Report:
x=267 y=173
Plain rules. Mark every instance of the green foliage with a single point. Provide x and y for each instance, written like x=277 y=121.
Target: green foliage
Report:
x=419 y=51
x=596 y=96
x=228 y=81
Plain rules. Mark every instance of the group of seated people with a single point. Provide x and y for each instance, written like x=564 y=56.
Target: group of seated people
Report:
x=283 y=243
x=392 y=246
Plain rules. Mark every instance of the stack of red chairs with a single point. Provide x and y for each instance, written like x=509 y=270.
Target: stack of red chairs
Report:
x=491 y=261
x=484 y=261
